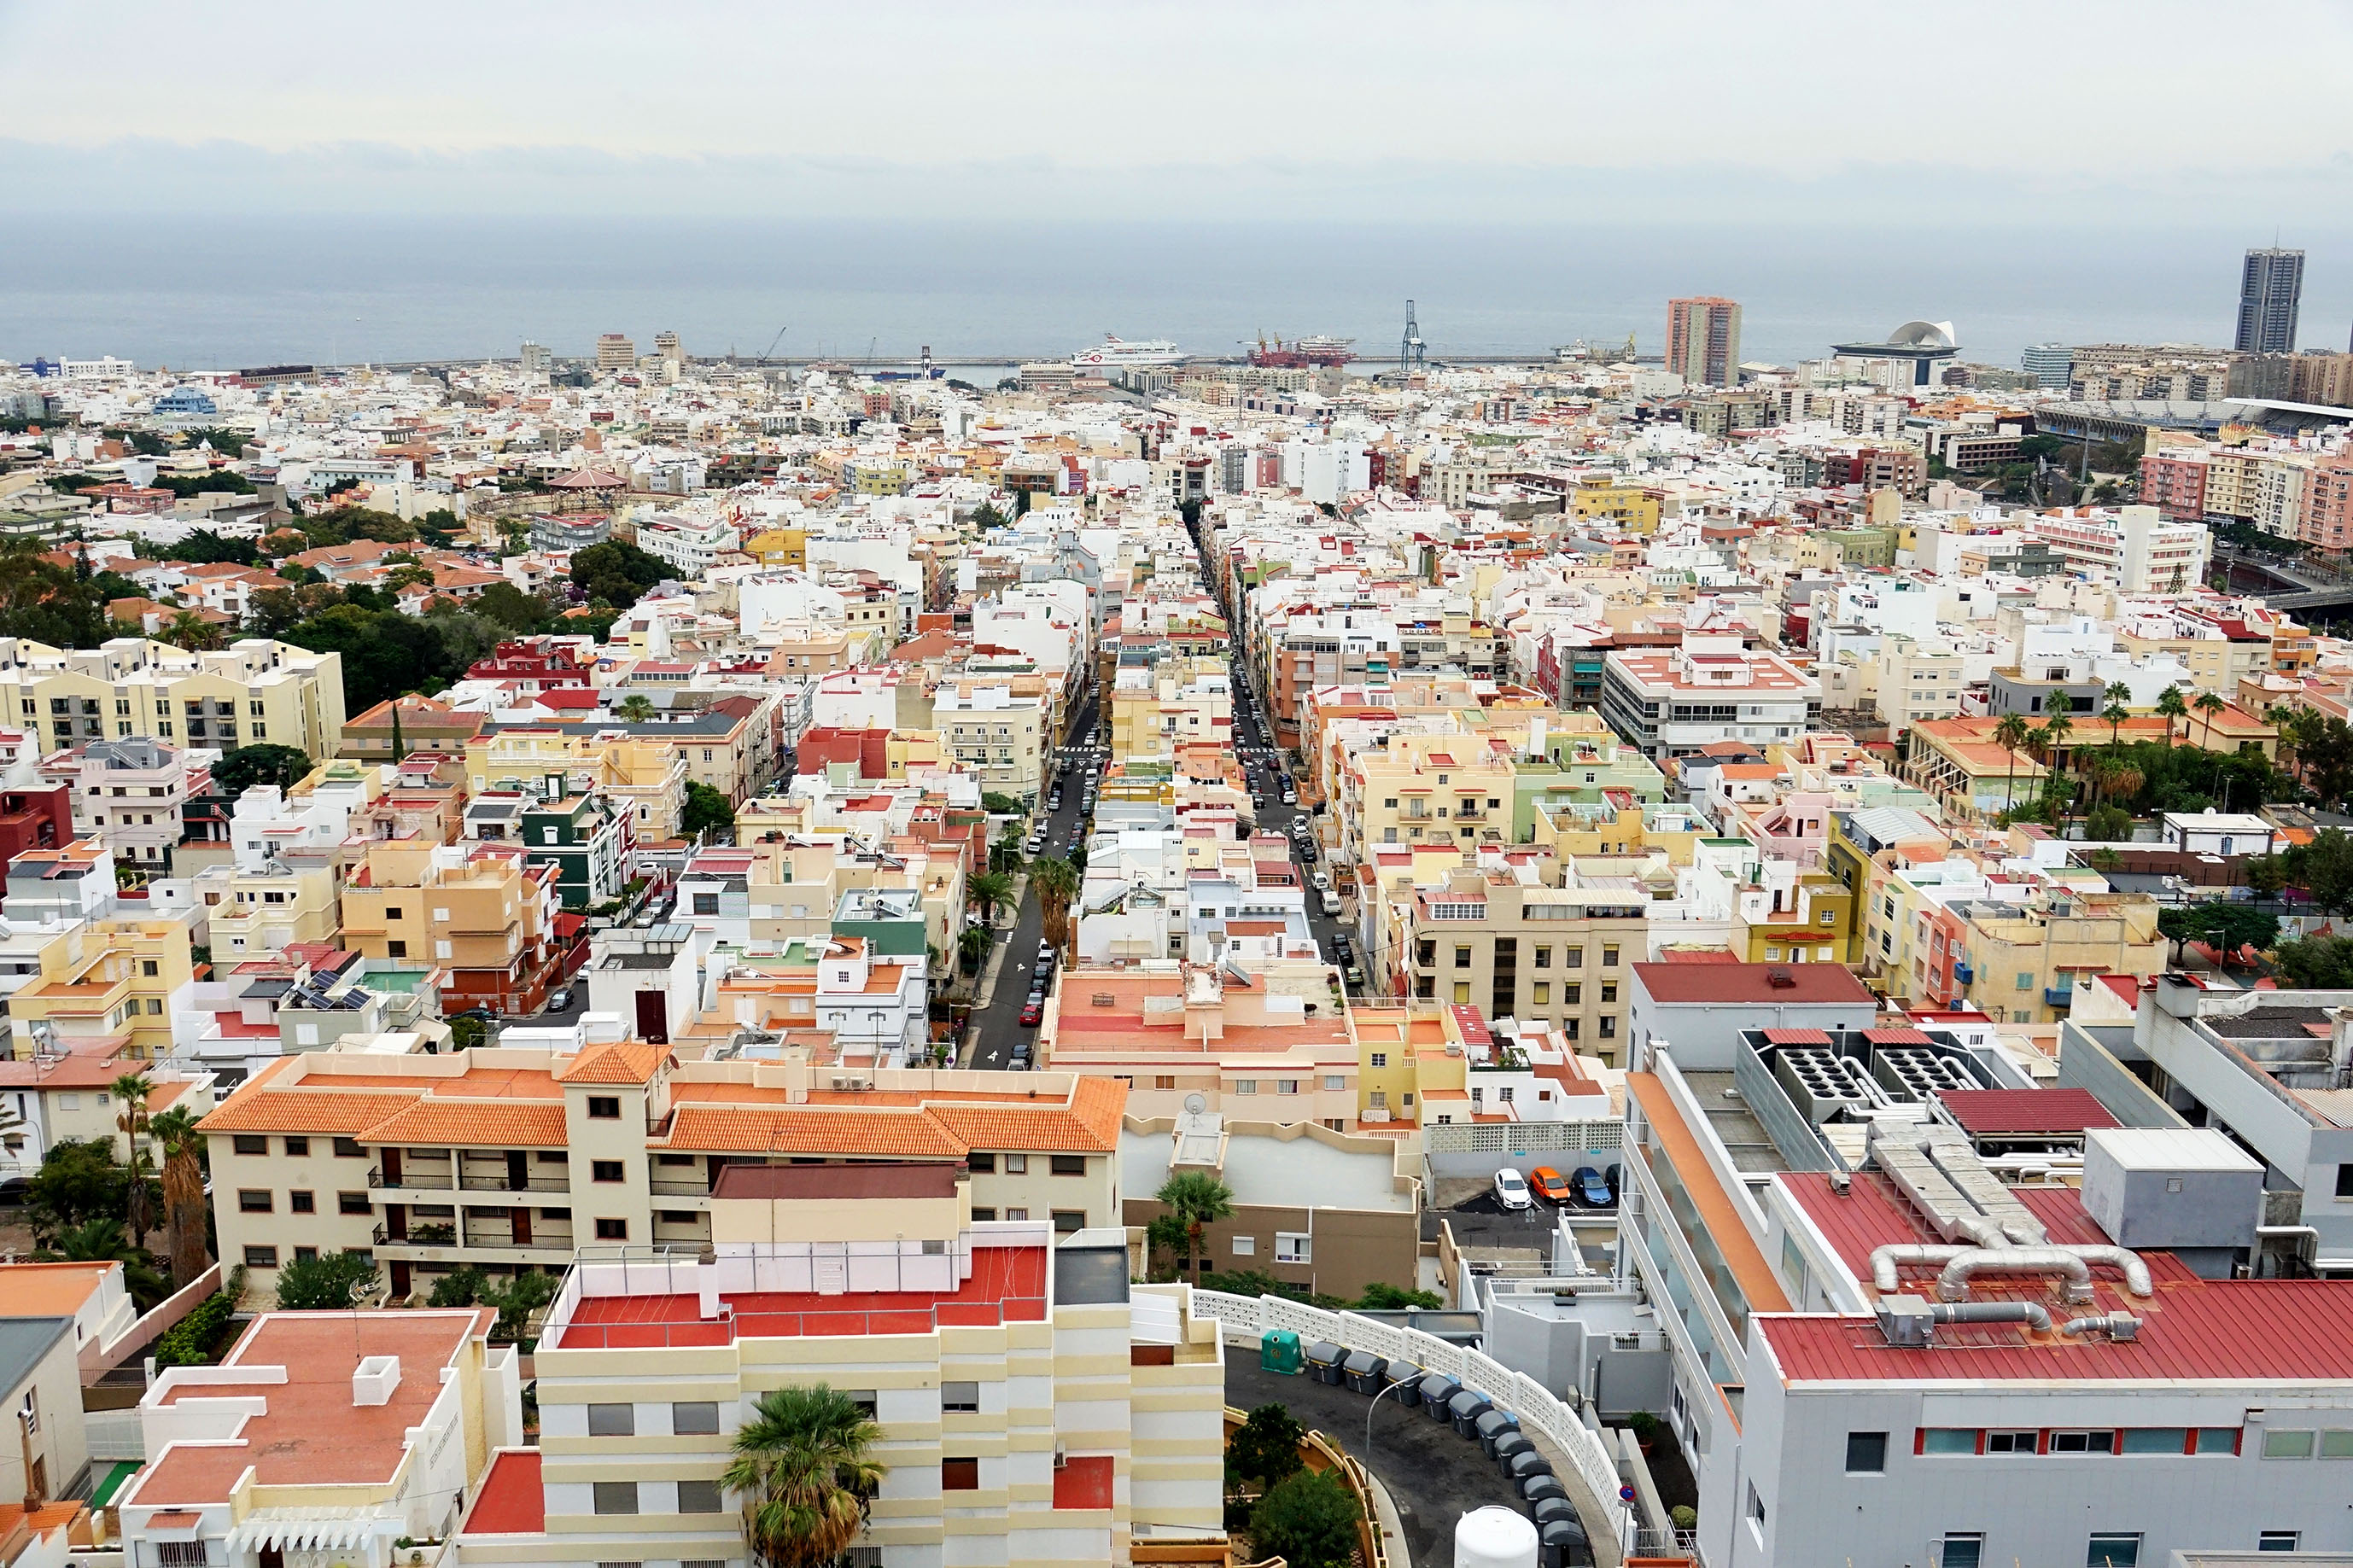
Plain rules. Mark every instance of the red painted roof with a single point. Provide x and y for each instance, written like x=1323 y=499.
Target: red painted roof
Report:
x=1733 y=982
x=1898 y=1038
x=511 y=1501
x=1984 y=1110
x=1798 y=1036
x=1007 y=1284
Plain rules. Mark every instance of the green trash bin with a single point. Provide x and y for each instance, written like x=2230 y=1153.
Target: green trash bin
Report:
x=1278 y=1351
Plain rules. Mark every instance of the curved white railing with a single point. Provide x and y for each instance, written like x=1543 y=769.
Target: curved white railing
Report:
x=1242 y=1318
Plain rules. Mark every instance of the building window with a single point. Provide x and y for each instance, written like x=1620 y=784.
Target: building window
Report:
x=1380 y=1059
x=1543 y=958
x=616 y=1497
x=980 y=1214
x=698 y=1497
x=612 y=1421
x=252 y=1200
x=1286 y=1086
x=1070 y=1165
x=1294 y=1247
x=1933 y=1440
x=1866 y=1453
x=297 y=1148
x=2084 y=1442
x=1961 y=1551
x=2287 y=1445
x=985 y=1164
x=1572 y=957
x=261 y=1257
x=301 y=1203
x=960 y=1398
x=246 y=1144
x=1609 y=1026
x=1461 y=958
x=1163 y=1080
x=1246 y=1085
x=605 y=1106
x=1540 y=994
x=612 y=1230
x=180 y=1554
x=2011 y=1442
x=351 y=1202
x=694 y=1418
x=1017 y=1165
x=2278 y=1540
x=959 y=1475
x=349 y=1148
x=2113 y=1551
x=1609 y=957
x=604 y=1170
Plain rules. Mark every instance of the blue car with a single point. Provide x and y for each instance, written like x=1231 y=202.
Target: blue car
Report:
x=1591 y=1189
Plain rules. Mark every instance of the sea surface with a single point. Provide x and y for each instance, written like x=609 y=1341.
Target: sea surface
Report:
x=220 y=293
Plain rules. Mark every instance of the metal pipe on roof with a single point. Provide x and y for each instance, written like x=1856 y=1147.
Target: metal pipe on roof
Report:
x=2135 y=1271
x=1953 y=1281
x=2115 y=1325
x=1886 y=1260
x=2031 y=1314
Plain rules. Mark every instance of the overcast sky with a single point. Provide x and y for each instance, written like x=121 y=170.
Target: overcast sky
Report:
x=2149 y=113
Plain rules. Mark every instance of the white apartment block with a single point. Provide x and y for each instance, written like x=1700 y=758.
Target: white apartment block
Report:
x=1033 y=1405
x=2131 y=548
x=129 y=795
x=1673 y=702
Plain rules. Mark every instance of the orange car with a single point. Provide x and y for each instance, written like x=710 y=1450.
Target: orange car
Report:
x=1549 y=1184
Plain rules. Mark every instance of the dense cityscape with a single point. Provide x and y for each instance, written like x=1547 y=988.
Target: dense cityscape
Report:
x=1323 y=951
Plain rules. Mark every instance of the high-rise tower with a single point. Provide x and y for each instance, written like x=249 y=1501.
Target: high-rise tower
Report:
x=1703 y=340
x=2270 y=287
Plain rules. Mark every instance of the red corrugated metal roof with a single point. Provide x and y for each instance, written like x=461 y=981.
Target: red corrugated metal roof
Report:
x=1798 y=1036
x=1898 y=1038
x=1996 y=1110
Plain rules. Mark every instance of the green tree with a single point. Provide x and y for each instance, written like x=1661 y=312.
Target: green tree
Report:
x=1056 y=881
x=100 y=1239
x=461 y=1286
x=998 y=804
x=1309 y=1521
x=264 y=764
x=45 y=602
x=79 y=1180
x=973 y=944
x=2266 y=875
x=2208 y=705
x=617 y=572
x=130 y=1092
x=1195 y=1200
x=1263 y=1452
x=805 y=1468
x=515 y=1301
x=184 y=1192
x=2107 y=824
x=985 y=516
x=2316 y=963
x=989 y=891
x=637 y=708
x=2169 y=707
x=203 y=547
x=330 y=1282
x=1385 y=1298
x=2324 y=869
x=706 y=810
x=2011 y=735
x=191 y=631
x=513 y=611
x=2231 y=925
x=2180 y=925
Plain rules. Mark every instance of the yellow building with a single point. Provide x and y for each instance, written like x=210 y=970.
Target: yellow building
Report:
x=486 y=917
x=291 y=899
x=1177 y=703
x=109 y=985
x=779 y=547
x=255 y=691
x=1630 y=507
x=1452 y=789
x=639 y=774
x=2024 y=962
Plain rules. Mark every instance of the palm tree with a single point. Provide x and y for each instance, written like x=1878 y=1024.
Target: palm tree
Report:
x=634 y=708
x=193 y=632
x=2169 y=707
x=1057 y=881
x=1196 y=1201
x=988 y=891
x=2208 y=705
x=2054 y=733
x=2281 y=718
x=132 y=1089
x=972 y=946
x=2011 y=734
x=807 y=1475
x=100 y=1240
x=184 y=1191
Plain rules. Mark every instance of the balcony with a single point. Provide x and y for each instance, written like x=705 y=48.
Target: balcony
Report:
x=502 y=1181
x=2058 y=997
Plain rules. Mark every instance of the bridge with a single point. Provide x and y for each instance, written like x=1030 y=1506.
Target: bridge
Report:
x=2308 y=596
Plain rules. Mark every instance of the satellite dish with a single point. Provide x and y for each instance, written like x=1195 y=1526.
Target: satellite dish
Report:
x=1194 y=1105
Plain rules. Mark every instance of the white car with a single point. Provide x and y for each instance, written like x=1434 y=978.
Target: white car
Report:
x=1512 y=1189
x=1323 y=880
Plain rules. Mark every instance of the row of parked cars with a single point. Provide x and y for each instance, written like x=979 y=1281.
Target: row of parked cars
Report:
x=1585 y=1187
x=1561 y=1540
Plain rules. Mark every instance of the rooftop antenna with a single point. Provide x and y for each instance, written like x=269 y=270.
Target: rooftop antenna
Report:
x=1412 y=354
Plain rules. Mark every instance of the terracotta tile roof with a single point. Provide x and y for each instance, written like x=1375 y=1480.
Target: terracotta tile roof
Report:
x=321 y=1111
x=628 y=1061
x=799 y=1130
x=474 y=1123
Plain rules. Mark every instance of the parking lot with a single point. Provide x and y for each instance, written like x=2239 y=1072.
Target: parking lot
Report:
x=1481 y=1223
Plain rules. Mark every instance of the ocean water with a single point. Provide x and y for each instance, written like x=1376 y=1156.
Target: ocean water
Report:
x=216 y=292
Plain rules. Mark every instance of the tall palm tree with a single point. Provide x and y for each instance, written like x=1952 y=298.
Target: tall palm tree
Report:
x=132 y=1089
x=988 y=891
x=2011 y=735
x=1195 y=1200
x=2170 y=705
x=807 y=1475
x=2055 y=732
x=634 y=708
x=184 y=1191
x=2282 y=719
x=972 y=946
x=1057 y=881
x=2208 y=705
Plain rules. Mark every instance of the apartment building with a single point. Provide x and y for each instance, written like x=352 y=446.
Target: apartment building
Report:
x=1461 y=789
x=1156 y=709
x=587 y=841
x=342 y=1436
x=1033 y=1405
x=481 y=912
x=269 y=905
x=2020 y=962
x=2131 y=548
x=511 y=1157
x=641 y=774
x=1556 y=955
x=255 y=690
x=1675 y=702
x=730 y=746
x=1000 y=737
x=114 y=985
x=129 y=795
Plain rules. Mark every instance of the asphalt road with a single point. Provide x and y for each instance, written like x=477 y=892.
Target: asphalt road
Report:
x=1001 y=1022
x=1434 y=1476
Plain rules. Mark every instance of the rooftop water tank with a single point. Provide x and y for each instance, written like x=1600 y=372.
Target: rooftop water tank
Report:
x=1494 y=1538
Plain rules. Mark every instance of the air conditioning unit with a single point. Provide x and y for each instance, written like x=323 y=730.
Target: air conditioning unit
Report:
x=1062 y=1459
x=841 y=1083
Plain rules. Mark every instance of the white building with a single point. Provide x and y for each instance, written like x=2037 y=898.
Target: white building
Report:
x=2131 y=548
x=1673 y=702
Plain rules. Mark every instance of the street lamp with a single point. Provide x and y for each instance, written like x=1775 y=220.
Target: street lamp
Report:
x=1376 y=1400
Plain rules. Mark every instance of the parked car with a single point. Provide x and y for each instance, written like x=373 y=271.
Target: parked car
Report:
x=1512 y=1189
x=1031 y=1013
x=1019 y=1056
x=1289 y=797
x=1354 y=977
x=1341 y=945
x=558 y=1001
x=1045 y=952
x=1592 y=1188
x=1322 y=879
x=1549 y=1184
x=1330 y=899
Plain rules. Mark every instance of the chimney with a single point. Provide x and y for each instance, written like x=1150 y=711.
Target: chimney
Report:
x=374 y=1380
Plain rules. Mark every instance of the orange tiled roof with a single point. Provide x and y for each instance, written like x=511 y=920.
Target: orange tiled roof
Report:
x=475 y=1123
x=799 y=1130
x=626 y=1061
x=325 y=1111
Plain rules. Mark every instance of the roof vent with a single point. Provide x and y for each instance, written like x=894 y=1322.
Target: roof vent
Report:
x=1780 y=979
x=375 y=1378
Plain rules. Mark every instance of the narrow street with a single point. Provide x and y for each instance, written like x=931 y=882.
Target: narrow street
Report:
x=998 y=1023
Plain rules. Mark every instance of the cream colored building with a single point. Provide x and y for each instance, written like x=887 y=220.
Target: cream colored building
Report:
x=996 y=735
x=286 y=900
x=113 y=984
x=1034 y=1406
x=639 y=774
x=1917 y=680
x=255 y=691
x=1559 y=955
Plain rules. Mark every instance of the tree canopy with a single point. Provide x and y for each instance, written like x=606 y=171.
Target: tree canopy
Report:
x=241 y=769
x=1309 y=1521
x=45 y=602
x=1263 y=1452
x=2317 y=962
x=617 y=572
x=706 y=809
x=330 y=1282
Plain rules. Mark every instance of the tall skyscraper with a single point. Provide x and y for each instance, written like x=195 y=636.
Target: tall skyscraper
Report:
x=536 y=360
x=1703 y=340
x=616 y=352
x=2051 y=364
x=2270 y=287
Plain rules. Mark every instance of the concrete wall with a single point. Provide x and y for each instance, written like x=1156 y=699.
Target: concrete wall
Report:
x=1350 y=1249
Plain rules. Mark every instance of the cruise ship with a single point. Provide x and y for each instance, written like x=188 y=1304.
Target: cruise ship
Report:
x=1114 y=353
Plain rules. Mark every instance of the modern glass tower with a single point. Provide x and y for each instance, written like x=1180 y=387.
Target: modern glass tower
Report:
x=2270 y=288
